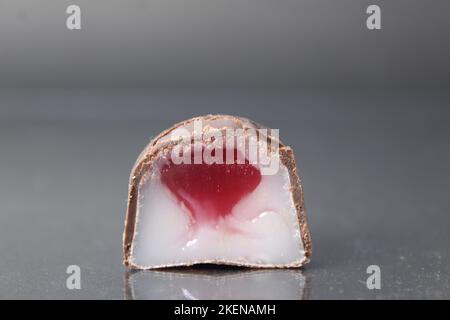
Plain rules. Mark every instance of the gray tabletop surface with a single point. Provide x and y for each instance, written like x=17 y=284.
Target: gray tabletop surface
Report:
x=375 y=167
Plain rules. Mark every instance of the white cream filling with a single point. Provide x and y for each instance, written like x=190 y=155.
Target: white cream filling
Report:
x=267 y=220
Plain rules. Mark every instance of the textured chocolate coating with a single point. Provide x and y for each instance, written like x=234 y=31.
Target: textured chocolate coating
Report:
x=161 y=145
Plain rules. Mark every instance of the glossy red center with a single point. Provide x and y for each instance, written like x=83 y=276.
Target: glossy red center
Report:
x=210 y=191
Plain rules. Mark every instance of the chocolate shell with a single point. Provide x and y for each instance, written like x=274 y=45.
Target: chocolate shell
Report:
x=146 y=163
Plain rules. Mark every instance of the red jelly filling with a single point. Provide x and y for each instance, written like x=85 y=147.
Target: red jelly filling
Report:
x=210 y=191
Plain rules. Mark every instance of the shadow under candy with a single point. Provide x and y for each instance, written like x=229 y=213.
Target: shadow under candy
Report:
x=215 y=283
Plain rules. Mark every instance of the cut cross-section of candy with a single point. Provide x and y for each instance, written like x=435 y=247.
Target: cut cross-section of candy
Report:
x=232 y=212
x=210 y=191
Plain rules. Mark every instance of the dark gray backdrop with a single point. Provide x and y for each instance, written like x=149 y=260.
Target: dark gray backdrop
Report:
x=225 y=43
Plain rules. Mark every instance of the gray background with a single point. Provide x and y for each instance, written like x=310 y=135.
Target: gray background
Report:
x=319 y=44
x=366 y=112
